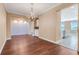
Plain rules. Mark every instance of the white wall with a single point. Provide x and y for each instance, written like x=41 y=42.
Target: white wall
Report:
x=32 y=32
x=19 y=28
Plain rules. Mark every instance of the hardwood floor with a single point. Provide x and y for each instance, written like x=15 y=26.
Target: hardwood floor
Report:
x=29 y=45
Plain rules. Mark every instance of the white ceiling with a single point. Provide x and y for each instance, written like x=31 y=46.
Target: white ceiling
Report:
x=24 y=8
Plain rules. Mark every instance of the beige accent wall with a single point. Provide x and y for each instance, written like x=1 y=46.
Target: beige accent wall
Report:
x=2 y=26
x=78 y=26
x=8 y=24
x=47 y=26
x=58 y=26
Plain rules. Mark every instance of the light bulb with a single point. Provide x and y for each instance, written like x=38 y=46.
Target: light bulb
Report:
x=21 y=21
x=25 y=22
x=15 y=21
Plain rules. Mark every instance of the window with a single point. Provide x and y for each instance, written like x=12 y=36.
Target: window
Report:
x=62 y=26
x=74 y=25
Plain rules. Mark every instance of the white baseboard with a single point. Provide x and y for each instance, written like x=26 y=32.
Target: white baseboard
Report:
x=59 y=41
x=48 y=40
x=9 y=38
x=2 y=46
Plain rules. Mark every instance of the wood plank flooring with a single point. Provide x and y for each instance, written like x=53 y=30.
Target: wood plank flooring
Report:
x=29 y=45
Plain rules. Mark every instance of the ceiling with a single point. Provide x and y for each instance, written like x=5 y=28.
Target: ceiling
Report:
x=24 y=8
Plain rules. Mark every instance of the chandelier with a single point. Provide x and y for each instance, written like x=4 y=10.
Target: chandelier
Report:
x=32 y=16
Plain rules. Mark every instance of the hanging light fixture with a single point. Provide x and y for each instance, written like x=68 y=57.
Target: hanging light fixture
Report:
x=32 y=16
x=32 y=11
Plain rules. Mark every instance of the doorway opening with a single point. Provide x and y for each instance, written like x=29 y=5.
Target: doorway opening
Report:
x=69 y=24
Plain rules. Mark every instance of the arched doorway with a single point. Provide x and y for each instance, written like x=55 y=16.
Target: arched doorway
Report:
x=69 y=25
